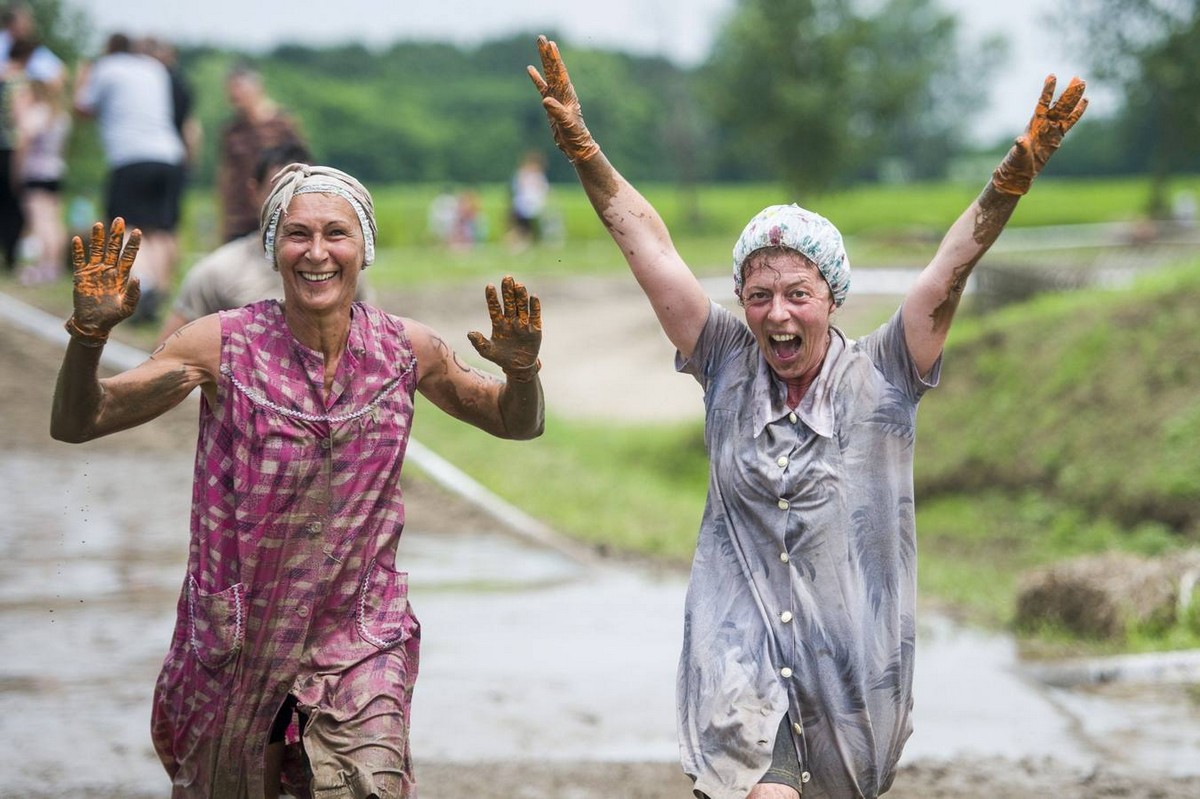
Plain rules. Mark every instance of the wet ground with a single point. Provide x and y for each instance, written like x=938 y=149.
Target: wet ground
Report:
x=541 y=675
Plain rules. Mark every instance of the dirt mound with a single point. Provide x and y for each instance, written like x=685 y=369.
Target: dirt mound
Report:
x=1106 y=596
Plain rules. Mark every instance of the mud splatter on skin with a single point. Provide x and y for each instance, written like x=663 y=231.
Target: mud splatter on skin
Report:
x=477 y=398
x=1012 y=178
x=995 y=208
x=600 y=180
x=155 y=394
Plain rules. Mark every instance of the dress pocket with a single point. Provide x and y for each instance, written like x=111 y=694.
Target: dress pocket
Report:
x=384 y=619
x=216 y=623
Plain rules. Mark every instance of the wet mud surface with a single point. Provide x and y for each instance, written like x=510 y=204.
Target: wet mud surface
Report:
x=540 y=677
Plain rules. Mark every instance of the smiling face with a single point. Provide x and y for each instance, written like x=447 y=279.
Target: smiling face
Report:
x=788 y=306
x=319 y=251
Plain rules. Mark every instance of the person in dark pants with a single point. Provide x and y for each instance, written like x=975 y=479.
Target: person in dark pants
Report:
x=13 y=94
x=130 y=95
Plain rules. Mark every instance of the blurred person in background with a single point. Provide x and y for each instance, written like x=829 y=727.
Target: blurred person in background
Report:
x=258 y=124
x=14 y=97
x=19 y=24
x=295 y=652
x=238 y=273
x=42 y=130
x=528 y=192
x=129 y=94
x=795 y=677
x=187 y=124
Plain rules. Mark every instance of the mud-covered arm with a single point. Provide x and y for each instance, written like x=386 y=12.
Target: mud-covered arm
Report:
x=86 y=406
x=677 y=297
x=512 y=407
x=930 y=305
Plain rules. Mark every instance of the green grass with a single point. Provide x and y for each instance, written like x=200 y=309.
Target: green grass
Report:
x=1091 y=397
x=974 y=547
x=882 y=224
x=627 y=489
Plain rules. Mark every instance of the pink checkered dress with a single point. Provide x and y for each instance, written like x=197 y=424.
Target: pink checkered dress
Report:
x=291 y=585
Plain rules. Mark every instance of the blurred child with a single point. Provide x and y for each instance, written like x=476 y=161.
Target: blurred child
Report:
x=43 y=126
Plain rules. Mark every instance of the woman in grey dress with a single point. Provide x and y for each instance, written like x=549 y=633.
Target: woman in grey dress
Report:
x=796 y=670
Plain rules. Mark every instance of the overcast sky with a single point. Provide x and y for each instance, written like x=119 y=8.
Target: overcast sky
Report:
x=679 y=29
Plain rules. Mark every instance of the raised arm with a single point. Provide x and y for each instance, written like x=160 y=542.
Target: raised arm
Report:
x=930 y=305
x=677 y=297
x=86 y=406
x=509 y=408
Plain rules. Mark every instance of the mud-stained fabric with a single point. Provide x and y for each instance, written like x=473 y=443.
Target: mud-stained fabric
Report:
x=292 y=585
x=802 y=593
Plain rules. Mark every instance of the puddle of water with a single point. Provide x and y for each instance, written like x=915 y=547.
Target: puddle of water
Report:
x=970 y=699
x=1148 y=728
x=577 y=670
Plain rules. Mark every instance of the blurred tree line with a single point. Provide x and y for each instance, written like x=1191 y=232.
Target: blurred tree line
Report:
x=1151 y=50
x=816 y=93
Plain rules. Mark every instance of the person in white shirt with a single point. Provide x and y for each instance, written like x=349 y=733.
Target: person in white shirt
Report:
x=130 y=96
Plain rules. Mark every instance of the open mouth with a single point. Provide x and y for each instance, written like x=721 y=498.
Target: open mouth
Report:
x=785 y=346
x=317 y=277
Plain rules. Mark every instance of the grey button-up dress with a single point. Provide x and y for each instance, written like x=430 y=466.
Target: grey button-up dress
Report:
x=802 y=593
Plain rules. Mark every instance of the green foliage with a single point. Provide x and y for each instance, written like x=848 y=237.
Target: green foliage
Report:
x=428 y=112
x=61 y=27
x=823 y=110
x=820 y=93
x=1151 y=48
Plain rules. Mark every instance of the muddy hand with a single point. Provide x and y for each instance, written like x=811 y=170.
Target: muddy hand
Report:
x=1041 y=138
x=562 y=105
x=516 y=331
x=104 y=292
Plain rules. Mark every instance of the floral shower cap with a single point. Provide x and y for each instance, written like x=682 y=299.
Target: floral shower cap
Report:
x=296 y=179
x=804 y=231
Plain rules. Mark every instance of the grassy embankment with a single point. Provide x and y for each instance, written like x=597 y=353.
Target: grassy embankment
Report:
x=1063 y=426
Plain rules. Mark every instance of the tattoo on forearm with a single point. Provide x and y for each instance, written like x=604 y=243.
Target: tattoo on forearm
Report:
x=447 y=355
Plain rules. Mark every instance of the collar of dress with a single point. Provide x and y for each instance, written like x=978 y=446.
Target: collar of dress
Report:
x=769 y=398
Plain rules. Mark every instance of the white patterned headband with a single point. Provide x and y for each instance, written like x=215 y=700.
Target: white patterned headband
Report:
x=296 y=179
x=809 y=233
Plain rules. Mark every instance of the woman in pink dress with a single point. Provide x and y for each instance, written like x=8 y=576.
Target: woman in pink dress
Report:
x=295 y=649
